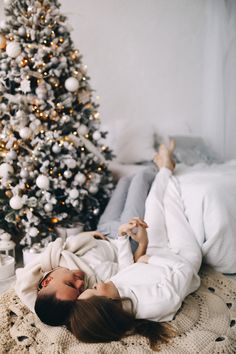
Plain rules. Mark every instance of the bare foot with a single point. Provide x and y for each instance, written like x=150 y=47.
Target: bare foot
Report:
x=164 y=157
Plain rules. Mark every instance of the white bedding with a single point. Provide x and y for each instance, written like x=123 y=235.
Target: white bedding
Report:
x=209 y=196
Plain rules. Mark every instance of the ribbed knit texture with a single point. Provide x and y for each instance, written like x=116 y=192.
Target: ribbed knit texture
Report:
x=206 y=324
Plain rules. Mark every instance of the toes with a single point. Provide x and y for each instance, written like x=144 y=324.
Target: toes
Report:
x=172 y=145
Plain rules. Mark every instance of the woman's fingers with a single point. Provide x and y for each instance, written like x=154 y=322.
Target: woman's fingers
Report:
x=136 y=221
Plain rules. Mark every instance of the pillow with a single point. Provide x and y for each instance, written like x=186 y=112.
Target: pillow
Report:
x=191 y=150
x=131 y=142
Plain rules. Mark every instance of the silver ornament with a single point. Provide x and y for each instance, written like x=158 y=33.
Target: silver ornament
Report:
x=72 y=84
x=67 y=174
x=56 y=148
x=22 y=31
x=25 y=133
x=74 y=193
x=93 y=189
x=11 y=155
x=80 y=178
x=48 y=207
x=82 y=129
x=6 y=170
x=24 y=173
x=42 y=182
x=4 y=66
x=71 y=163
x=96 y=135
x=16 y=202
x=13 y=49
x=33 y=231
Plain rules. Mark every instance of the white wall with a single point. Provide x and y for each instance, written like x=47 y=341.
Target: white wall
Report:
x=144 y=58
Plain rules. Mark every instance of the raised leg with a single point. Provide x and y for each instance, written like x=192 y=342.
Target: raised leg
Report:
x=180 y=234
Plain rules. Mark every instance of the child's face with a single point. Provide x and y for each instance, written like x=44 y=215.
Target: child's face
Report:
x=101 y=289
x=64 y=283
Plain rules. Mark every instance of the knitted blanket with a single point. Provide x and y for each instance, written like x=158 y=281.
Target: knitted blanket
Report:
x=206 y=324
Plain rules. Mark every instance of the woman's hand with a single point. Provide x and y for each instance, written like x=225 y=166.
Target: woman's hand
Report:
x=140 y=235
x=135 y=228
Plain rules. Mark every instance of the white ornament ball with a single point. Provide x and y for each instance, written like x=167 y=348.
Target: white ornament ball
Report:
x=93 y=189
x=65 y=119
x=56 y=148
x=11 y=155
x=72 y=84
x=41 y=92
x=71 y=163
x=25 y=133
x=54 y=61
x=16 y=202
x=24 y=173
x=4 y=66
x=48 y=207
x=80 y=178
x=67 y=174
x=5 y=236
x=61 y=29
x=20 y=114
x=82 y=130
x=13 y=49
x=42 y=182
x=22 y=31
x=5 y=170
x=33 y=231
x=74 y=193
x=96 y=135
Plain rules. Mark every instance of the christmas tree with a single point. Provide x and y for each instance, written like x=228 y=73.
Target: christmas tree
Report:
x=53 y=169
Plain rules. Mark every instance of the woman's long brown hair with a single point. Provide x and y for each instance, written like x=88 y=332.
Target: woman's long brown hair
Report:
x=99 y=319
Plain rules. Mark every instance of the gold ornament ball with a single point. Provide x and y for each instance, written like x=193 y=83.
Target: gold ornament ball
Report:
x=54 y=81
x=3 y=41
x=24 y=62
x=9 y=194
x=18 y=219
x=54 y=220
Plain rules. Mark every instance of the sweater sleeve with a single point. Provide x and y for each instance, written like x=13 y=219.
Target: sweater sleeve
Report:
x=124 y=252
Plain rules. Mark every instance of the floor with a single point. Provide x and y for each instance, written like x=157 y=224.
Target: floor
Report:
x=232 y=276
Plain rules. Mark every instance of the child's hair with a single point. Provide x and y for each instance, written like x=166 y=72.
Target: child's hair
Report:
x=52 y=311
x=100 y=319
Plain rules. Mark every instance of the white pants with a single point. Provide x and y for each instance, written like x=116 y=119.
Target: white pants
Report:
x=167 y=223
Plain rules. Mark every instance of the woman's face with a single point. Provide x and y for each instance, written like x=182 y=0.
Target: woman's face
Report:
x=64 y=283
x=101 y=289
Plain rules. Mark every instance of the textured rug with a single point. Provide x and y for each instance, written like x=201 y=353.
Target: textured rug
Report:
x=206 y=324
